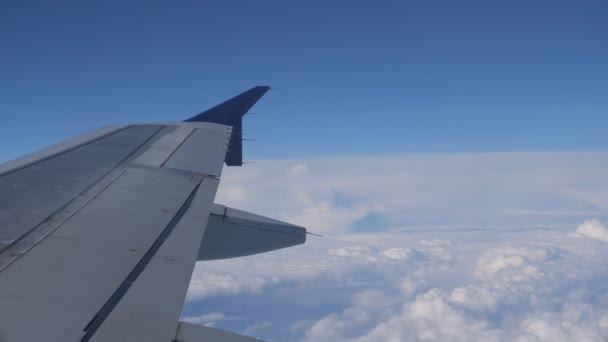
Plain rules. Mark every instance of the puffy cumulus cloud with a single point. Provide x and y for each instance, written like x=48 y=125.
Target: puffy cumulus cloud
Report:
x=432 y=318
x=371 y=254
x=575 y=322
x=397 y=253
x=593 y=229
x=356 y=251
x=515 y=262
x=535 y=285
x=542 y=286
x=345 y=259
x=505 y=277
x=429 y=317
x=368 y=307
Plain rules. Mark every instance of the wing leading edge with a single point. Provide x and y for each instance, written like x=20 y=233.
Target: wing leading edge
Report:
x=110 y=258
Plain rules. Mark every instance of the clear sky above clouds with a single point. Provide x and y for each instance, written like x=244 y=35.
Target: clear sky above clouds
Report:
x=452 y=153
x=355 y=77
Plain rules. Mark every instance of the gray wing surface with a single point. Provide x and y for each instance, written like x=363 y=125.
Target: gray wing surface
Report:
x=99 y=235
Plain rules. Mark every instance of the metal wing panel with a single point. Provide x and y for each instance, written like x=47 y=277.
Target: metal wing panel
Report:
x=203 y=152
x=161 y=149
x=55 y=149
x=151 y=308
x=132 y=211
x=30 y=195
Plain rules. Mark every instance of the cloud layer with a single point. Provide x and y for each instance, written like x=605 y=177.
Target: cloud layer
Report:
x=468 y=191
x=489 y=247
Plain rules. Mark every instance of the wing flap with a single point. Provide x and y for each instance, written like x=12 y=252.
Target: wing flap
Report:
x=233 y=233
x=150 y=310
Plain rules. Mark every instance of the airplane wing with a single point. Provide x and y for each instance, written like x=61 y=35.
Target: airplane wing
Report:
x=99 y=234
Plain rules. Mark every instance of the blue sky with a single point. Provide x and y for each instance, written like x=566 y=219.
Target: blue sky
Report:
x=451 y=153
x=355 y=77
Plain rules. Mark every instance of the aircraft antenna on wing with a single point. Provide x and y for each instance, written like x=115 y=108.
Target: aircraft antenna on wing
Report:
x=314 y=234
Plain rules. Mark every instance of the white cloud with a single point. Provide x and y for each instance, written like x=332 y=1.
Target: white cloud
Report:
x=254 y=329
x=335 y=327
x=218 y=282
x=232 y=194
x=297 y=170
x=593 y=229
x=470 y=191
x=433 y=318
x=511 y=288
x=459 y=247
x=526 y=293
x=397 y=253
x=210 y=319
x=603 y=322
x=576 y=322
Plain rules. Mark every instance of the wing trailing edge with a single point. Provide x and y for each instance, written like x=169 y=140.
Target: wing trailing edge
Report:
x=231 y=113
x=233 y=233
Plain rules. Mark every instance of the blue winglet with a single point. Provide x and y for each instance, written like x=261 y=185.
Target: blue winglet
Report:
x=231 y=113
